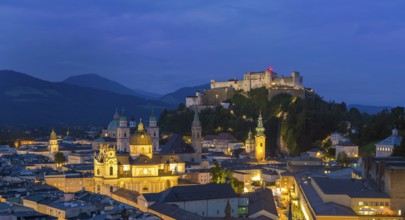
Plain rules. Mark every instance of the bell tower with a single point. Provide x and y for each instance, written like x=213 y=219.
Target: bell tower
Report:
x=153 y=131
x=249 y=143
x=260 y=140
x=123 y=134
x=53 y=143
x=196 y=138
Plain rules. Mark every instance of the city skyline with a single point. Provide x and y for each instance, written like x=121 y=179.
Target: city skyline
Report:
x=346 y=51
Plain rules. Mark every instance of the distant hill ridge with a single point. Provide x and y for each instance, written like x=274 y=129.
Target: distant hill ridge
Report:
x=29 y=101
x=98 y=82
x=179 y=96
x=369 y=109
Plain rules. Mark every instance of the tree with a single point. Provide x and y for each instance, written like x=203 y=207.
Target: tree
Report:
x=399 y=151
x=221 y=176
x=59 y=158
x=342 y=158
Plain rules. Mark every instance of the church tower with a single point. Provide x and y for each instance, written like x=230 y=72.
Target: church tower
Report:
x=123 y=135
x=260 y=140
x=153 y=131
x=249 y=143
x=196 y=141
x=53 y=143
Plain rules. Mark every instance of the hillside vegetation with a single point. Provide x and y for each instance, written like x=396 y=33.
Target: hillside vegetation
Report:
x=301 y=124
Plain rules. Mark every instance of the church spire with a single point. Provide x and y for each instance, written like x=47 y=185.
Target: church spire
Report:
x=116 y=115
x=123 y=116
x=196 y=121
x=260 y=129
x=250 y=134
x=140 y=125
x=53 y=135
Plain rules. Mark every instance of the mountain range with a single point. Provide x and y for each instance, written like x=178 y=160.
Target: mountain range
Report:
x=98 y=82
x=79 y=100
x=86 y=99
x=179 y=96
x=29 y=101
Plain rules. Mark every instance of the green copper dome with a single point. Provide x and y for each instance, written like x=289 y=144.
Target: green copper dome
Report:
x=113 y=125
x=152 y=116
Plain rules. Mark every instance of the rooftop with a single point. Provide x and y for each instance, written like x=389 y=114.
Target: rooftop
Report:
x=195 y=192
x=260 y=200
x=394 y=139
x=351 y=187
x=174 y=211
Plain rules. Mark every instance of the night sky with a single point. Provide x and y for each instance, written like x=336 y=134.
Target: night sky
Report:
x=347 y=50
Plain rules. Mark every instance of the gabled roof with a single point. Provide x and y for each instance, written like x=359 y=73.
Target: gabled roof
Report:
x=194 y=192
x=260 y=200
x=127 y=194
x=176 y=145
x=174 y=211
x=394 y=139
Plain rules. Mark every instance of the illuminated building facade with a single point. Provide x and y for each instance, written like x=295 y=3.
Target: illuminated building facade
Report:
x=138 y=170
x=260 y=140
x=268 y=79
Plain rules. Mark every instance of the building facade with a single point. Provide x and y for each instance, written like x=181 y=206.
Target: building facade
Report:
x=260 y=140
x=268 y=79
x=138 y=170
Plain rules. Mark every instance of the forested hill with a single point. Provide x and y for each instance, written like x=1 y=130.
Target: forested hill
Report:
x=30 y=102
x=301 y=124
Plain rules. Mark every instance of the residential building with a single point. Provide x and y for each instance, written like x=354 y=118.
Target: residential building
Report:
x=385 y=147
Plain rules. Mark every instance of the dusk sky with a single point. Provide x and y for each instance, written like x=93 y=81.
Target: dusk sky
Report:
x=352 y=51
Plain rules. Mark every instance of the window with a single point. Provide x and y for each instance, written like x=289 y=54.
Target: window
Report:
x=361 y=203
x=111 y=171
x=111 y=189
x=98 y=171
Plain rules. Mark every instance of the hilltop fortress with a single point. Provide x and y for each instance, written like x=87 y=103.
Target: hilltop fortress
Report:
x=268 y=79
x=275 y=84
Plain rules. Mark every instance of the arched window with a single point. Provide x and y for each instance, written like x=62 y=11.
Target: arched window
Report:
x=98 y=171
x=98 y=188
x=142 y=150
x=111 y=188
x=111 y=171
x=154 y=134
x=261 y=144
x=125 y=134
x=150 y=150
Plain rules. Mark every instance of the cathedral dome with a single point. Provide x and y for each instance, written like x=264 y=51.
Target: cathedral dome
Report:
x=113 y=125
x=140 y=137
